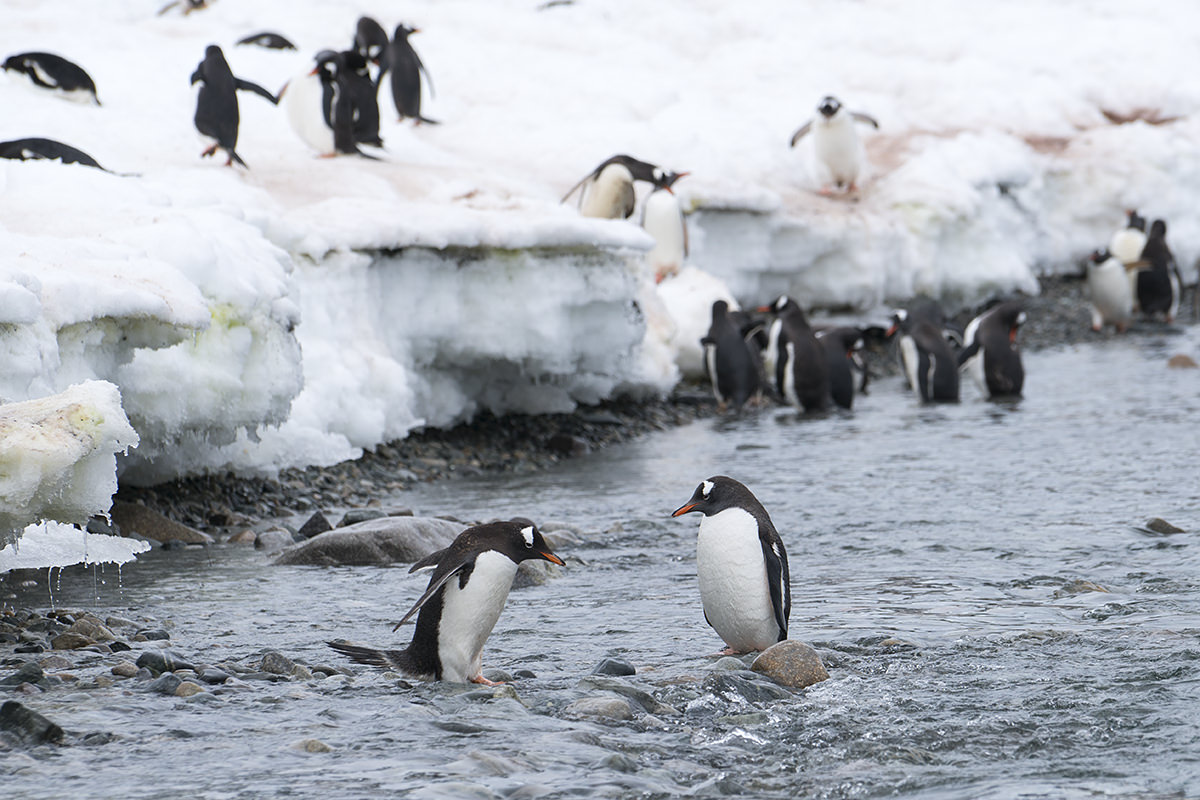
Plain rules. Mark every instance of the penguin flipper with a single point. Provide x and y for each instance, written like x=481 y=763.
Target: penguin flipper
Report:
x=800 y=132
x=250 y=86
x=577 y=186
x=967 y=353
x=428 y=561
x=858 y=116
x=196 y=76
x=425 y=72
x=779 y=584
x=368 y=655
x=447 y=569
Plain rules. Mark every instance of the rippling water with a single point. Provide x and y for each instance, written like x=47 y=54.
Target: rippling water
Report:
x=946 y=562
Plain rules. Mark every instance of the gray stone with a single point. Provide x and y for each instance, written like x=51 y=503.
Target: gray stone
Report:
x=614 y=666
x=213 y=675
x=535 y=573
x=125 y=669
x=726 y=663
x=791 y=663
x=277 y=663
x=1160 y=525
x=603 y=707
x=273 y=540
x=29 y=672
x=28 y=724
x=92 y=629
x=166 y=683
x=153 y=635
x=634 y=693
x=313 y=746
x=315 y=526
x=70 y=641
x=159 y=661
x=134 y=518
x=55 y=662
x=357 y=515
x=744 y=686
x=376 y=542
x=187 y=689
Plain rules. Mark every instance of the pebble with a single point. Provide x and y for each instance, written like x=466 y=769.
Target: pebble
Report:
x=312 y=746
x=744 y=686
x=1160 y=525
x=357 y=515
x=125 y=669
x=601 y=706
x=70 y=641
x=614 y=666
x=725 y=663
x=55 y=662
x=187 y=689
x=159 y=661
x=167 y=683
x=627 y=690
x=152 y=635
x=29 y=672
x=1182 y=361
x=316 y=525
x=273 y=540
x=277 y=663
x=92 y=629
x=212 y=675
x=246 y=536
x=791 y=663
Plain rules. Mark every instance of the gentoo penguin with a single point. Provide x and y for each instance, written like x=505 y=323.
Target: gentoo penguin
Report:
x=269 y=40
x=55 y=72
x=745 y=586
x=371 y=42
x=359 y=85
x=1159 y=284
x=841 y=346
x=728 y=360
x=929 y=363
x=216 y=104
x=188 y=6
x=406 y=68
x=835 y=142
x=48 y=149
x=466 y=593
x=1127 y=243
x=1111 y=294
x=321 y=106
x=663 y=219
x=991 y=355
x=801 y=370
x=607 y=191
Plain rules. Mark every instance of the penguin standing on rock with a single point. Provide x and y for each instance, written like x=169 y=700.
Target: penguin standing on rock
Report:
x=466 y=593
x=729 y=361
x=929 y=363
x=663 y=219
x=1159 y=284
x=607 y=191
x=835 y=142
x=56 y=73
x=742 y=567
x=801 y=368
x=217 y=106
x=1111 y=294
x=990 y=355
x=406 y=68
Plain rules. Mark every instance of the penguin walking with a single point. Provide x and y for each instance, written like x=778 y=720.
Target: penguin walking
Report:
x=1111 y=294
x=267 y=39
x=36 y=148
x=460 y=606
x=216 y=104
x=842 y=346
x=929 y=363
x=801 y=368
x=729 y=361
x=742 y=567
x=406 y=68
x=1159 y=285
x=835 y=142
x=991 y=356
x=607 y=192
x=54 y=72
x=371 y=42
x=663 y=219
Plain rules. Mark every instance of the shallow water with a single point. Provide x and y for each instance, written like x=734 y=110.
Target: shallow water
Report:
x=945 y=562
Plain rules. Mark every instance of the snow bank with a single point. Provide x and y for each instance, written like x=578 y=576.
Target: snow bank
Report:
x=52 y=544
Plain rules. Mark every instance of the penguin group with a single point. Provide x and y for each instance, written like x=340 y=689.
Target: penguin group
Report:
x=1136 y=274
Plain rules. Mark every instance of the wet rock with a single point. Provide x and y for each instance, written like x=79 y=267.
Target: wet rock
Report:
x=535 y=573
x=1182 y=361
x=212 y=675
x=1160 y=525
x=187 y=689
x=564 y=444
x=244 y=537
x=635 y=694
x=96 y=738
x=376 y=542
x=114 y=623
x=614 y=666
x=273 y=540
x=160 y=661
x=602 y=707
x=312 y=746
x=125 y=669
x=357 y=515
x=791 y=663
x=733 y=686
x=151 y=635
x=29 y=647
x=726 y=663
x=92 y=629
x=55 y=662
x=619 y=762
x=316 y=525
x=497 y=675
x=1078 y=587
x=134 y=518
x=29 y=672
x=167 y=683
x=70 y=641
x=277 y=663
x=28 y=725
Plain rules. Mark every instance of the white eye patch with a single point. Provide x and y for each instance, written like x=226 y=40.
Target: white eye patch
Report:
x=706 y=488
x=528 y=534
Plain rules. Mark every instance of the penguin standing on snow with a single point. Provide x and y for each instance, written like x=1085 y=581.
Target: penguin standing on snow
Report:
x=466 y=593
x=801 y=369
x=406 y=68
x=835 y=142
x=56 y=73
x=371 y=42
x=663 y=219
x=1159 y=284
x=990 y=355
x=841 y=347
x=729 y=361
x=742 y=567
x=356 y=80
x=607 y=191
x=1127 y=245
x=323 y=105
x=216 y=104
x=1111 y=294
x=929 y=363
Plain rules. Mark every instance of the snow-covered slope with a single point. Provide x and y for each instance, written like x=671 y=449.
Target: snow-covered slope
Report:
x=304 y=309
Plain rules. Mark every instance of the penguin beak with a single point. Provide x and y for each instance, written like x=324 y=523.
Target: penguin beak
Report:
x=763 y=309
x=553 y=559
x=891 y=331
x=684 y=509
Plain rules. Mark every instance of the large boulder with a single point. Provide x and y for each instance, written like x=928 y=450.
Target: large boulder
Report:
x=134 y=518
x=376 y=542
x=791 y=663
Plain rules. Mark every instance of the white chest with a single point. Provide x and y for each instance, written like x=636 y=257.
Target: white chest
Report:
x=733 y=581
x=1112 y=297
x=611 y=195
x=837 y=147
x=664 y=221
x=305 y=113
x=470 y=613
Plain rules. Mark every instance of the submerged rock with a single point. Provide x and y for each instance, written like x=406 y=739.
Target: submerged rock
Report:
x=791 y=663
x=1160 y=525
x=160 y=661
x=535 y=573
x=603 y=707
x=614 y=666
x=376 y=542
x=28 y=724
x=745 y=686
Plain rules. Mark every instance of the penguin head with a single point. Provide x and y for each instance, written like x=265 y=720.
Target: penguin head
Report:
x=1100 y=256
x=522 y=541
x=714 y=496
x=1158 y=229
x=781 y=304
x=829 y=106
x=1135 y=220
x=665 y=180
x=370 y=39
x=329 y=64
x=403 y=32
x=900 y=322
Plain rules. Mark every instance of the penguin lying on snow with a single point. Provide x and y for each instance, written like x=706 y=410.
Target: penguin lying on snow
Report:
x=269 y=40
x=216 y=105
x=729 y=361
x=801 y=372
x=406 y=68
x=48 y=149
x=990 y=355
x=608 y=189
x=835 y=142
x=466 y=593
x=742 y=567
x=929 y=363
x=1159 y=284
x=1111 y=294
x=55 y=72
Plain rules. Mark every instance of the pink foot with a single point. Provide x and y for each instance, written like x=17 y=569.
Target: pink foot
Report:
x=480 y=679
x=729 y=651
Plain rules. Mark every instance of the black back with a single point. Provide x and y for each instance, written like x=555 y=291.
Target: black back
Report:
x=1155 y=289
x=362 y=91
x=337 y=99
x=63 y=74
x=50 y=149
x=995 y=334
x=840 y=346
x=937 y=366
x=802 y=355
x=737 y=373
x=269 y=40
x=216 y=105
x=406 y=68
x=371 y=42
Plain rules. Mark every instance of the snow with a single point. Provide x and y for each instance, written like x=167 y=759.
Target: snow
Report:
x=303 y=310
x=52 y=544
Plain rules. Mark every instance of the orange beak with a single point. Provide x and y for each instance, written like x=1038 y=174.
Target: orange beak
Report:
x=892 y=330
x=553 y=559
x=763 y=309
x=684 y=509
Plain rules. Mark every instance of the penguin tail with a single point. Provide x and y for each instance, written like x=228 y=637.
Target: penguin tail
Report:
x=394 y=659
x=428 y=121
x=233 y=156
